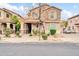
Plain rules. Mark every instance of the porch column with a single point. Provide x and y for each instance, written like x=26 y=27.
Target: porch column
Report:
x=22 y=28
x=14 y=28
x=8 y=25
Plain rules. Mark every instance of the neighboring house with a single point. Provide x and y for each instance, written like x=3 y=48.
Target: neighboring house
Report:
x=50 y=16
x=6 y=21
x=73 y=24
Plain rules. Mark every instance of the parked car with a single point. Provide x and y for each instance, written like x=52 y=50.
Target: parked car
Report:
x=69 y=32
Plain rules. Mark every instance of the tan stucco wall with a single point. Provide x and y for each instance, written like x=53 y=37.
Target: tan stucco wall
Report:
x=48 y=27
x=45 y=16
x=3 y=14
x=45 y=13
x=72 y=22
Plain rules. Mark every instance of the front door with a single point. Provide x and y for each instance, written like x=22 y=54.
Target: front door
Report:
x=29 y=27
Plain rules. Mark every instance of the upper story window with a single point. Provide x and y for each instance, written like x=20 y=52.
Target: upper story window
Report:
x=71 y=21
x=7 y=15
x=52 y=15
x=35 y=15
x=69 y=28
x=73 y=27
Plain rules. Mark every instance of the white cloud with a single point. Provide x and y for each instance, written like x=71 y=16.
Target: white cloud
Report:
x=27 y=8
x=19 y=9
x=8 y=6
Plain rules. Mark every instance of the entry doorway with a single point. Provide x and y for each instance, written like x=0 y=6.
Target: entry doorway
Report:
x=11 y=26
x=29 y=27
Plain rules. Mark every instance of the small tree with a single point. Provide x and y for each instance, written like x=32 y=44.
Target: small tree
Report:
x=16 y=21
x=65 y=24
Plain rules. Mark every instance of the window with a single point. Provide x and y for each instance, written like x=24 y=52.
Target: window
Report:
x=73 y=27
x=52 y=26
x=7 y=15
x=37 y=25
x=71 y=21
x=69 y=28
x=35 y=15
x=51 y=15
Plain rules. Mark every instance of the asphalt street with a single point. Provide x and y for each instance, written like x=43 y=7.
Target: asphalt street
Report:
x=39 y=49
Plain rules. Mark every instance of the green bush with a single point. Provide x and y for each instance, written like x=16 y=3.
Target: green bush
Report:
x=7 y=32
x=52 y=31
x=44 y=35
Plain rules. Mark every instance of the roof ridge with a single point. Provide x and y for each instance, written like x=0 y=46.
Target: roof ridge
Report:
x=73 y=16
x=8 y=10
x=45 y=5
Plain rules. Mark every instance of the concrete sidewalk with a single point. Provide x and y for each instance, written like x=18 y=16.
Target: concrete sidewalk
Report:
x=26 y=38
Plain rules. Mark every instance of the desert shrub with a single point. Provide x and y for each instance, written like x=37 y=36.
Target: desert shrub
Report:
x=44 y=35
x=30 y=34
x=52 y=31
x=35 y=32
x=48 y=34
x=7 y=32
x=18 y=34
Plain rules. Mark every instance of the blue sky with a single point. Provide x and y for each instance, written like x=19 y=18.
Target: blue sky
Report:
x=68 y=9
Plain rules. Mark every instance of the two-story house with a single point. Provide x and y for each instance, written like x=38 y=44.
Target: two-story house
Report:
x=49 y=15
x=73 y=24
